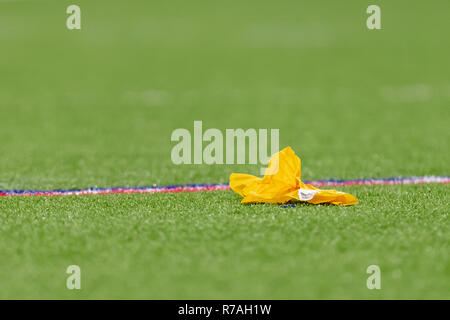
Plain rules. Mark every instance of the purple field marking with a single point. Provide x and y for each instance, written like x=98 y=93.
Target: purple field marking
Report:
x=214 y=187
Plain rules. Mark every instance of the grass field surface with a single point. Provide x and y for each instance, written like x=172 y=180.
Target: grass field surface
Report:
x=96 y=108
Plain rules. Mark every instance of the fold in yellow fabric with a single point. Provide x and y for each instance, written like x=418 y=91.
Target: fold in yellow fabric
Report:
x=282 y=183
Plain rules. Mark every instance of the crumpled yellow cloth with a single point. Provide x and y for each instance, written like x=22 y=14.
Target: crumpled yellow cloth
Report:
x=284 y=184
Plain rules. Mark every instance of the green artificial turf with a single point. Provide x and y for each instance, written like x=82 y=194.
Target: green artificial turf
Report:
x=96 y=107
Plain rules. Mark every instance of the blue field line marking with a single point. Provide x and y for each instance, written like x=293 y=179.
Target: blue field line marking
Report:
x=193 y=187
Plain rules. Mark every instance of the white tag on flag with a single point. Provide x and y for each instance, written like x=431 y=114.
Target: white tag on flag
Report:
x=306 y=194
